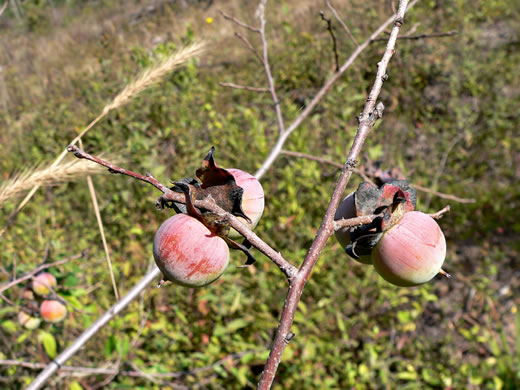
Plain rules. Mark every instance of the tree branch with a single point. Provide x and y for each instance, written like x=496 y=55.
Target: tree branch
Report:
x=29 y=275
x=335 y=13
x=267 y=67
x=239 y=23
x=168 y=195
x=367 y=120
x=366 y=178
x=277 y=148
x=246 y=87
x=423 y=36
x=136 y=373
x=333 y=37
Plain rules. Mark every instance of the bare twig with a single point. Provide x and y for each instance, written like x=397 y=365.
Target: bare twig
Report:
x=239 y=23
x=4 y=7
x=267 y=68
x=440 y=213
x=250 y=47
x=357 y=221
x=7 y=300
x=277 y=148
x=442 y=164
x=29 y=275
x=366 y=178
x=313 y=158
x=70 y=351
x=136 y=373
x=443 y=195
x=168 y=195
x=333 y=37
x=423 y=36
x=335 y=13
x=247 y=88
x=366 y=122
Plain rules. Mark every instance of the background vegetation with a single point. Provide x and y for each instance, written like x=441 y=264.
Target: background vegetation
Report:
x=450 y=125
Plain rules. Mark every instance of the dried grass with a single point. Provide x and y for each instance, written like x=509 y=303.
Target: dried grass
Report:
x=154 y=75
x=47 y=176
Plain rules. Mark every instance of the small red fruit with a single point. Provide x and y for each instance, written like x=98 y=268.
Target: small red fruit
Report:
x=42 y=282
x=411 y=252
x=188 y=253
x=252 y=198
x=52 y=310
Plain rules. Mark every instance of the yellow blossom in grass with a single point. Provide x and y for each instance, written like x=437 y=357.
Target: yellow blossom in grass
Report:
x=209 y=20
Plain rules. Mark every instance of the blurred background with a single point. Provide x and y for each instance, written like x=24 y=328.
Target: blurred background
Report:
x=450 y=125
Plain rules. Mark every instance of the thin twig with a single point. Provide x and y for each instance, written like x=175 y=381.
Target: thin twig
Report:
x=366 y=178
x=250 y=47
x=168 y=195
x=93 y=196
x=4 y=7
x=349 y=33
x=440 y=213
x=423 y=36
x=443 y=195
x=333 y=37
x=237 y=86
x=38 y=269
x=313 y=158
x=357 y=221
x=267 y=68
x=137 y=372
x=7 y=300
x=238 y=22
x=442 y=164
x=277 y=148
x=366 y=121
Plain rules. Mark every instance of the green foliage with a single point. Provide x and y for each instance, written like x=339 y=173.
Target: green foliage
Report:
x=450 y=124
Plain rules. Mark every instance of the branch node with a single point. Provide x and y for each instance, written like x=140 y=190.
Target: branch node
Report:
x=399 y=22
x=350 y=164
x=289 y=337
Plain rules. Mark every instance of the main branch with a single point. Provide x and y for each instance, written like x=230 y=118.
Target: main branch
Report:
x=367 y=120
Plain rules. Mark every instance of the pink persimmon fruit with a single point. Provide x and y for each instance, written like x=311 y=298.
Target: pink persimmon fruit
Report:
x=187 y=253
x=252 y=198
x=42 y=282
x=411 y=252
x=52 y=310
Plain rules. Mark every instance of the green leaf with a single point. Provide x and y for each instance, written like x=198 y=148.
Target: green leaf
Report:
x=75 y=386
x=49 y=343
x=9 y=326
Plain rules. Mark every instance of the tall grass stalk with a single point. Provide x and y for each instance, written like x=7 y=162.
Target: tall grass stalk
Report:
x=46 y=176
x=146 y=79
